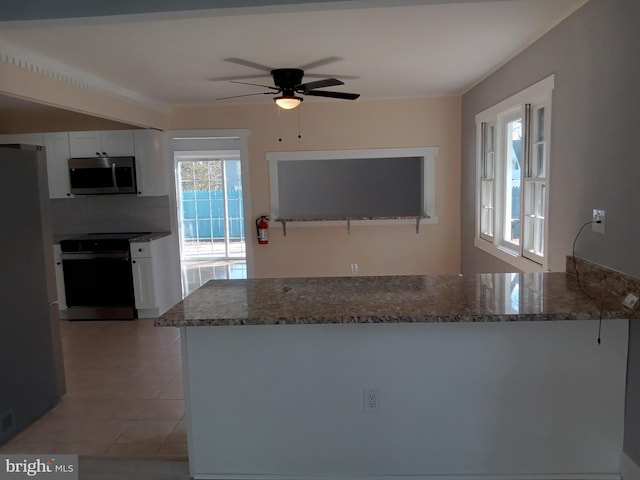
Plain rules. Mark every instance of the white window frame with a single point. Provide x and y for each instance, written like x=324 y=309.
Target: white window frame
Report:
x=537 y=95
x=487 y=178
x=428 y=155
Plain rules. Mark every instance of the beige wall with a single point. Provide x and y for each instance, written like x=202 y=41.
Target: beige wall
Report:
x=36 y=118
x=325 y=251
x=314 y=250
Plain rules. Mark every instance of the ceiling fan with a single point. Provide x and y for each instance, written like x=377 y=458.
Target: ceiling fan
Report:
x=288 y=83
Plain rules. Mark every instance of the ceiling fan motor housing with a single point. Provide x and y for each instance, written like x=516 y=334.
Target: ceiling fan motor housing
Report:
x=287 y=79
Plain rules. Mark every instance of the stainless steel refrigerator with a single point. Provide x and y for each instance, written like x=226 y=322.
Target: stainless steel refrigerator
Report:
x=31 y=368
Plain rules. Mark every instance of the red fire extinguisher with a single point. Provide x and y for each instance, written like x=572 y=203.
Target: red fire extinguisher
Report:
x=262 y=224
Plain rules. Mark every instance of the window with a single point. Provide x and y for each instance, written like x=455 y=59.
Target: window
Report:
x=513 y=166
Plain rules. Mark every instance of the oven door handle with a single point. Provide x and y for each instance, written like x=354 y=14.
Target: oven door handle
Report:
x=94 y=255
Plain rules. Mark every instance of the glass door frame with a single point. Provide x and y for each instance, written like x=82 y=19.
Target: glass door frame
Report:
x=179 y=141
x=214 y=156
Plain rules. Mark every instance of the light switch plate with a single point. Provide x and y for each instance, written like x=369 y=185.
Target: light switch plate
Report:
x=630 y=301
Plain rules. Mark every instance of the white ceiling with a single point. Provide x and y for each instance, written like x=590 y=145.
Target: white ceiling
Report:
x=410 y=49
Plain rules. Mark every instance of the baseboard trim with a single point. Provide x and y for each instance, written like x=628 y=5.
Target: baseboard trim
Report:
x=629 y=470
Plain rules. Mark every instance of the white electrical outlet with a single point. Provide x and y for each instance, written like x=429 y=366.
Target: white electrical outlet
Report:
x=354 y=268
x=598 y=219
x=371 y=400
x=630 y=301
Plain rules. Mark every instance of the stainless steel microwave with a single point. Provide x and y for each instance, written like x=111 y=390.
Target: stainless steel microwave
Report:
x=102 y=175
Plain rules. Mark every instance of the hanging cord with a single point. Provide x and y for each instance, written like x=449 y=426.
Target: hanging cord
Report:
x=575 y=268
x=299 y=108
x=279 y=124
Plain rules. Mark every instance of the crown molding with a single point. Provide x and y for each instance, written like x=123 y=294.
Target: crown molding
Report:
x=54 y=69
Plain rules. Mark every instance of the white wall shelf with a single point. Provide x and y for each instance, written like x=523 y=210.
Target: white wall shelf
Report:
x=331 y=221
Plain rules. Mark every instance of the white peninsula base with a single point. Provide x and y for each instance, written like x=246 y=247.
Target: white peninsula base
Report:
x=514 y=400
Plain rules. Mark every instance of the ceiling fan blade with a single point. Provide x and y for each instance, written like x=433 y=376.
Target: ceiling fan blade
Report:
x=325 y=93
x=238 y=77
x=325 y=75
x=256 y=85
x=319 y=63
x=327 y=82
x=247 y=63
x=245 y=95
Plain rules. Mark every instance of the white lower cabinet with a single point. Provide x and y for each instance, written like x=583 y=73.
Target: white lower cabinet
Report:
x=144 y=294
x=151 y=264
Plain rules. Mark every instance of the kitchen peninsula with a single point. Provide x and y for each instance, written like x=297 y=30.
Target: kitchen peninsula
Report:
x=402 y=376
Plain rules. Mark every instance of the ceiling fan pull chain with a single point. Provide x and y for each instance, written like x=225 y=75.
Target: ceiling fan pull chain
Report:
x=299 y=134
x=279 y=125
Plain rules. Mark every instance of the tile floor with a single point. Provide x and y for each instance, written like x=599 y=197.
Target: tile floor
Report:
x=124 y=395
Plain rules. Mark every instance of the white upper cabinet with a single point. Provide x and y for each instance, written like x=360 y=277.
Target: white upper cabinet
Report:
x=150 y=163
x=117 y=143
x=145 y=145
x=112 y=143
x=57 y=149
x=25 y=138
x=85 y=144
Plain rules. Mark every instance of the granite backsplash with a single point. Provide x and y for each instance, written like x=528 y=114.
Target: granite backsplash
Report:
x=605 y=278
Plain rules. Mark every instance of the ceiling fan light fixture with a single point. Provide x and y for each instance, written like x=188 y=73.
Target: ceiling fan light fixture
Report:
x=288 y=102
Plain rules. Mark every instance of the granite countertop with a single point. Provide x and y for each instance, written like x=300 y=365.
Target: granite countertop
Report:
x=393 y=299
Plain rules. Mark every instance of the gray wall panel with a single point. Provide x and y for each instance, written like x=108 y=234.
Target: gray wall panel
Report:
x=596 y=107
x=350 y=187
x=594 y=160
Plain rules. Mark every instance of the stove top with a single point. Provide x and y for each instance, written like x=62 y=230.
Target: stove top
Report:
x=100 y=242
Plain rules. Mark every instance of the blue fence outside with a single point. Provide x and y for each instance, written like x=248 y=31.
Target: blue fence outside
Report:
x=203 y=214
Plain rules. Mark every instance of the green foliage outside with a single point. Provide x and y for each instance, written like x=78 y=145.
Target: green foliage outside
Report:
x=202 y=175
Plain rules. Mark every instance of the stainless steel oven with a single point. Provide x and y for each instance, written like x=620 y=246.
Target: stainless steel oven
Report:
x=98 y=280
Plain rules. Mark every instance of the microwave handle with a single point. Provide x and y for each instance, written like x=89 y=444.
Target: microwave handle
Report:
x=113 y=176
